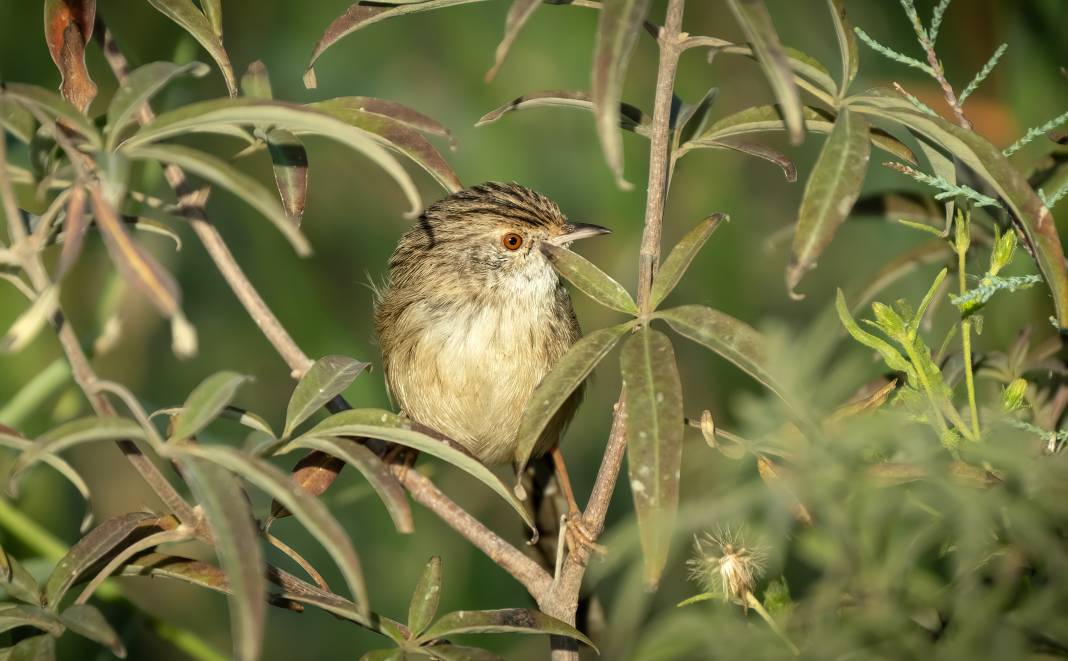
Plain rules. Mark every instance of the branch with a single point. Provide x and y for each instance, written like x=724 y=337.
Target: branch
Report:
x=81 y=370
x=423 y=490
x=562 y=600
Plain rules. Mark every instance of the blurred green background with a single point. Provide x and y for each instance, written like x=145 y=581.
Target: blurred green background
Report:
x=435 y=63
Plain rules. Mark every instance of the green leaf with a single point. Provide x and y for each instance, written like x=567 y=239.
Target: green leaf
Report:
x=101 y=541
x=508 y=620
x=401 y=114
x=213 y=11
x=890 y=355
x=393 y=134
x=832 y=189
x=914 y=324
x=359 y=16
x=141 y=85
x=424 y=603
x=88 y=622
x=631 y=118
x=190 y=19
x=618 y=27
x=223 y=114
x=311 y=512
x=61 y=466
x=681 y=256
x=76 y=432
x=729 y=337
x=18 y=582
x=236 y=542
x=206 y=402
x=323 y=381
x=518 y=14
x=847 y=44
x=763 y=119
x=28 y=324
x=18 y=121
x=594 y=282
x=558 y=385
x=37 y=648
x=655 y=428
x=374 y=470
x=375 y=423
x=53 y=106
x=290 y=161
x=226 y=176
x=13 y=616
x=759 y=30
x=754 y=149
x=990 y=164
x=462 y=653
x=135 y=264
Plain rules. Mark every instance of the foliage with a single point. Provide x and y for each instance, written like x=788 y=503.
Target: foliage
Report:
x=910 y=518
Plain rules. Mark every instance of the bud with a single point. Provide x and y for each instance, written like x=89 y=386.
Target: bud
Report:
x=889 y=321
x=1004 y=249
x=962 y=233
x=1012 y=398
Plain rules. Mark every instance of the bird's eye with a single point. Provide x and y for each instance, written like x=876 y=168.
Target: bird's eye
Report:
x=512 y=241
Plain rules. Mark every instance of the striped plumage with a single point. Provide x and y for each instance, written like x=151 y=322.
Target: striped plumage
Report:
x=468 y=326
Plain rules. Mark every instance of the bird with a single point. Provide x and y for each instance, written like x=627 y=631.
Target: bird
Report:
x=473 y=315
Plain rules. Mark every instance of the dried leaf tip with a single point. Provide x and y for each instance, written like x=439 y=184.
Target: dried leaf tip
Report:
x=724 y=564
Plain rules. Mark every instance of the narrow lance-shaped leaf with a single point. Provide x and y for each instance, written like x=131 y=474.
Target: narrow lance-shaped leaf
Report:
x=52 y=105
x=518 y=14
x=225 y=114
x=140 y=86
x=213 y=12
x=227 y=176
x=28 y=324
x=75 y=226
x=769 y=154
x=323 y=381
x=236 y=542
x=18 y=582
x=35 y=648
x=18 y=121
x=990 y=164
x=681 y=256
x=360 y=15
x=393 y=134
x=373 y=469
x=75 y=432
x=424 y=604
x=756 y=22
x=68 y=27
x=847 y=44
x=19 y=615
x=891 y=356
x=190 y=19
x=631 y=118
x=98 y=543
x=88 y=622
x=558 y=385
x=618 y=27
x=832 y=189
x=508 y=620
x=206 y=402
x=375 y=423
x=11 y=440
x=288 y=156
x=312 y=513
x=401 y=114
x=135 y=264
x=731 y=338
x=764 y=119
x=655 y=428
x=594 y=282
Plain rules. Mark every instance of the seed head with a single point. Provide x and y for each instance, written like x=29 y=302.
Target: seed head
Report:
x=723 y=563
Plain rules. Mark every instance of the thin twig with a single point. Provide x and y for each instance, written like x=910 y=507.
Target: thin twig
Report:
x=562 y=601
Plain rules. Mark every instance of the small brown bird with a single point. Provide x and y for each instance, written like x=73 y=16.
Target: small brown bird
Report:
x=473 y=316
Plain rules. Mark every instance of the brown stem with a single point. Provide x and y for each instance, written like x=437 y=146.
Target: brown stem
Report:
x=81 y=370
x=423 y=490
x=940 y=76
x=562 y=600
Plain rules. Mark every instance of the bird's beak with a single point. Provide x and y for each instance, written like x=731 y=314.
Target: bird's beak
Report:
x=576 y=231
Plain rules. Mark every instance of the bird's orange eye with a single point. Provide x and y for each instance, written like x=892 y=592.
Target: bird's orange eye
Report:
x=512 y=241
